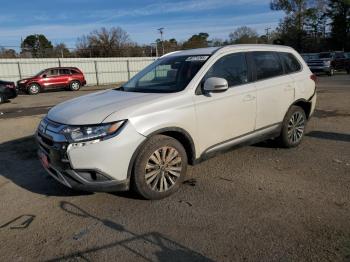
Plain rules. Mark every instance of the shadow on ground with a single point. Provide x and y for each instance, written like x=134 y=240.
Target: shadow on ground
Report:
x=330 y=136
x=19 y=164
x=153 y=245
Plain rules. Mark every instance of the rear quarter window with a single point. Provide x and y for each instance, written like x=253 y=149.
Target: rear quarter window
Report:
x=290 y=62
x=267 y=64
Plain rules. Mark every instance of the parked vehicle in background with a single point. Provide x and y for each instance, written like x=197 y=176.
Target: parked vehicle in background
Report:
x=309 y=56
x=69 y=77
x=180 y=110
x=329 y=63
x=7 y=91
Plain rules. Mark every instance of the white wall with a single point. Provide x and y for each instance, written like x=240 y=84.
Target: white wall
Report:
x=96 y=70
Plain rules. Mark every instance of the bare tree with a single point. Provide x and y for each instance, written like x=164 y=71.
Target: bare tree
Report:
x=244 y=35
x=104 y=42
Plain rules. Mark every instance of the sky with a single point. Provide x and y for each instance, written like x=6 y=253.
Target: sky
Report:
x=66 y=20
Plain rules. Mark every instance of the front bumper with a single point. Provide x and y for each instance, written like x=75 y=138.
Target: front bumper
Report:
x=320 y=69
x=96 y=167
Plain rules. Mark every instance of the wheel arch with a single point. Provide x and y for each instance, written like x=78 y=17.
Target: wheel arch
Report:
x=177 y=133
x=304 y=104
x=35 y=83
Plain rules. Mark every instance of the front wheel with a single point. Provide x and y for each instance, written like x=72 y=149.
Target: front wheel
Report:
x=33 y=89
x=2 y=99
x=293 y=127
x=331 y=72
x=160 y=167
x=74 y=86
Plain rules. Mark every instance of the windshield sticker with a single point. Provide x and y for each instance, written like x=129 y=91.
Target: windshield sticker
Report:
x=197 y=58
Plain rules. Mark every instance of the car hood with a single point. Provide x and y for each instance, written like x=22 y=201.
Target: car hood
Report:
x=96 y=107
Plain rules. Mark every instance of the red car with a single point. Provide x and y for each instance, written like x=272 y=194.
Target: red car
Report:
x=57 y=77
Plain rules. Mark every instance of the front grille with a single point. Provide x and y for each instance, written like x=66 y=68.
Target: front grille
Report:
x=46 y=140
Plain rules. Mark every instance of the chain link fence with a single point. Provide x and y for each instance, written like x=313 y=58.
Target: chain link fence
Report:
x=97 y=71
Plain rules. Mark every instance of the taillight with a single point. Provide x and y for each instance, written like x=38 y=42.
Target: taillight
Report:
x=313 y=77
x=10 y=85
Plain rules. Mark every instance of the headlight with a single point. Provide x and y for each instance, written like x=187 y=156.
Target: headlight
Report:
x=93 y=132
x=327 y=63
x=23 y=81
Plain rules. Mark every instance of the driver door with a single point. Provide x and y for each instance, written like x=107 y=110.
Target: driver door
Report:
x=223 y=116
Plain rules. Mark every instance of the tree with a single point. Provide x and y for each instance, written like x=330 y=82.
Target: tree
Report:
x=61 y=50
x=293 y=23
x=104 y=42
x=339 y=13
x=244 y=35
x=196 y=41
x=7 y=53
x=37 y=45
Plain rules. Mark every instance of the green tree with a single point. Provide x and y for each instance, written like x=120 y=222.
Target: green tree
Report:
x=196 y=41
x=292 y=27
x=38 y=45
x=339 y=13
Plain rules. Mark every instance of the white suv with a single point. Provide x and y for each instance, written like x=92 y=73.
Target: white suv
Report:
x=181 y=109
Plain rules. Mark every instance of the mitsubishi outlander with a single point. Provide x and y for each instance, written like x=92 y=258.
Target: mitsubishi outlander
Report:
x=183 y=108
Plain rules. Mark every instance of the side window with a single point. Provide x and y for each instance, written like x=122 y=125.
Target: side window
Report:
x=64 y=72
x=74 y=72
x=232 y=67
x=267 y=65
x=52 y=72
x=291 y=64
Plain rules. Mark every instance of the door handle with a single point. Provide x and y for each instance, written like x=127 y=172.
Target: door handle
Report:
x=248 y=98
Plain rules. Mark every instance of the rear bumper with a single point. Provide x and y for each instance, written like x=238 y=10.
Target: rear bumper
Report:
x=10 y=93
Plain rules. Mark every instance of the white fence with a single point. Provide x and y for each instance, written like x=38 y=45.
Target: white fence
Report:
x=97 y=71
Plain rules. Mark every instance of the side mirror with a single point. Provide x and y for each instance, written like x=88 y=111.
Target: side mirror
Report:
x=44 y=76
x=215 y=84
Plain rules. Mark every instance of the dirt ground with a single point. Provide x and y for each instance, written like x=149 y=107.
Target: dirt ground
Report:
x=256 y=203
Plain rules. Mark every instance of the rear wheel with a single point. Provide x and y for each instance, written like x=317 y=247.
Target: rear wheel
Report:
x=33 y=89
x=160 y=167
x=74 y=85
x=293 y=127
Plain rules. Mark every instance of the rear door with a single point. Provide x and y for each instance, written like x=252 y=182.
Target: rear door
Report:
x=275 y=90
x=64 y=76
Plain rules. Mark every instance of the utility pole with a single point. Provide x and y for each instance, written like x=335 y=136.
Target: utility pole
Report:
x=267 y=33
x=161 y=31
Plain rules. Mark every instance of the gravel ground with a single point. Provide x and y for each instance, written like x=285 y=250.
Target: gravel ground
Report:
x=257 y=203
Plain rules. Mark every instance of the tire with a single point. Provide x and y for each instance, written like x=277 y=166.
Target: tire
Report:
x=293 y=127
x=74 y=86
x=156 y=176
x=331 y=72
x=2 y=99
x=33 y=89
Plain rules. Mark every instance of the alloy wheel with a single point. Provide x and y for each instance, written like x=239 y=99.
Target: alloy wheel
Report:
x=296 y=127
x=34 y=89
x=163 y=168
x=75 y=85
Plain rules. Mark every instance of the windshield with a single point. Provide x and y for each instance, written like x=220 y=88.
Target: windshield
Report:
x=326 y=55
x=40 y=73
x=166 y=75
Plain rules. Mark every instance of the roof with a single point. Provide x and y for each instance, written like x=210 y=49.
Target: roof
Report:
x=212 y=50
